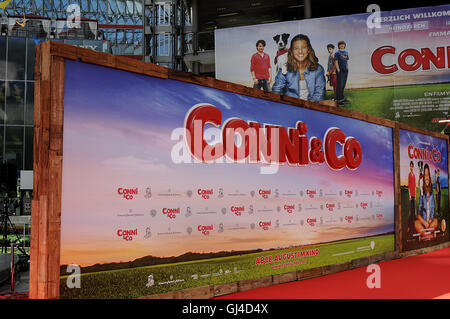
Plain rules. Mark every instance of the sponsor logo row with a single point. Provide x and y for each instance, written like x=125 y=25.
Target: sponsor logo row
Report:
x=172 y=279
x=130 y=193
x=128 y=234
x=239 y=210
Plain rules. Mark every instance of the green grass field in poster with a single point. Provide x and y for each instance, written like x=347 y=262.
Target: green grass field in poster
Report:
x=131 y=283
x=379 y=102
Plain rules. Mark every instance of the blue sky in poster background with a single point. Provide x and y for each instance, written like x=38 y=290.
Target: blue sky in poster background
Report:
x=422 y=141
x=151 y=102
x=117 y=133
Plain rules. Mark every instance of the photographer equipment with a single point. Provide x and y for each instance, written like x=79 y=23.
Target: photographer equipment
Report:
x=6 y=224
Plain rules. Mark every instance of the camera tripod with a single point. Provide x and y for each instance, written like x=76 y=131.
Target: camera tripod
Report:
x=5 y=221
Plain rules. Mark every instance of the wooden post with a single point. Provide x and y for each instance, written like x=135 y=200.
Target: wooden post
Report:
x=397 y=191
x=47 y=166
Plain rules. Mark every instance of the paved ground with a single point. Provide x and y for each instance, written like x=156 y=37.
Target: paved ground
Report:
x=21 y=284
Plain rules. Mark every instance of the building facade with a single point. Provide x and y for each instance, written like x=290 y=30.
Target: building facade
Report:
x=164 y=32
x=154 y=31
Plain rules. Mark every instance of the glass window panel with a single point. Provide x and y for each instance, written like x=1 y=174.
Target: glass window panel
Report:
x=138 y=43
x=187 y=17
x=148 y=45
x=130 y=36
x=15 y=102
x=57 y=5
x=120 y=36
x=84 y=6
x=31 y=52
x=112 y=36
x=188 y=43
x=112 y=6
x=47 y=5
x=2 y=58
x=138 y=49
x=130 y=7
x=114 y=48
x=106 y=47
x=29 y=132
x=16 y=59
x=164 y=44
x=39 y=4
x=129 y=47
x=138 y=7
x=164 y=12
x=103 y=5
x=94 y=4
x=2 y=142
x=14 y=145
x=29 y=104
x=66 y=3
x=121 y=6
x=2 y=104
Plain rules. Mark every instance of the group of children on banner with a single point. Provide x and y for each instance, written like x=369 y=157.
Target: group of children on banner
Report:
x=305 y=77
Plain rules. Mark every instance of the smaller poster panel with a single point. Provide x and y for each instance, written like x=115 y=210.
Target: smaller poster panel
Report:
x=424 y=190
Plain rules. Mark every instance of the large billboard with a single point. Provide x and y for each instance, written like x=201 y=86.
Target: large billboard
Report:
x=395 y=65
x=168 y=185
x=424 y=190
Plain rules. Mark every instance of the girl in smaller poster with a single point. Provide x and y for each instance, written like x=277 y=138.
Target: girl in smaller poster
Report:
x=426 y=222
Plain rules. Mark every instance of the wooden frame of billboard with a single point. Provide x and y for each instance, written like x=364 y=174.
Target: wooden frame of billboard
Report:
x=48 y=156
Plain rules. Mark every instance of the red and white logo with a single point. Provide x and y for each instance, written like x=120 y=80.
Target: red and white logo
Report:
x=310 y=193
x=264 y=193
x=205 y=193
x=380 y=216
x=330 y=206
x=410 y=59
x=379 y=193
x=237 y=210
x=364 y=205
x=349 y=219
x=348 y=193
x=171 y=212
x=127 y=234
x=127 y=193
x=311 y=221
x=205 y=229
x=265 y=225
x=289 y=208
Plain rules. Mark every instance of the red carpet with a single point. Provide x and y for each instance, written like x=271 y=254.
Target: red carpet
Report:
x=419 y=277
x=14 y=295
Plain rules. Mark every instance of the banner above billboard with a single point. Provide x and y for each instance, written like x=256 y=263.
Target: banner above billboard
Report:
x=396 y=66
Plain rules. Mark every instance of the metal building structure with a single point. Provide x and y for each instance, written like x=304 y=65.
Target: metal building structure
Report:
x=168 y=32
x=120 y=22
x=178 y=34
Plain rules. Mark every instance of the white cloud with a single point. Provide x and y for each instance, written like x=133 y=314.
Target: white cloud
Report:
x=216 y=96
